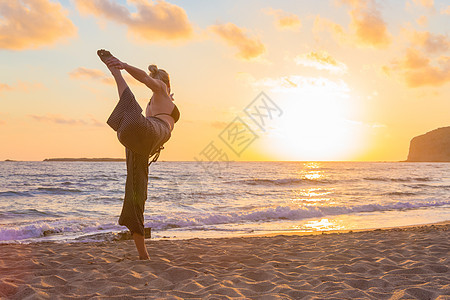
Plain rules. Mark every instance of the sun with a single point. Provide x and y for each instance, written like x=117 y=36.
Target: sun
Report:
x=314 y=125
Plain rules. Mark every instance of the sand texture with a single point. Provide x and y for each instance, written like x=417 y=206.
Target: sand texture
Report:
x=408 y=263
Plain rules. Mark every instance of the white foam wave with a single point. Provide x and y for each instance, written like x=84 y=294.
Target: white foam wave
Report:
x=279 y=213
x=79 y=227
x=41 y=229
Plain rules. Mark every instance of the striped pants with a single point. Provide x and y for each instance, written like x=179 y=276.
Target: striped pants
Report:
x=141 y=137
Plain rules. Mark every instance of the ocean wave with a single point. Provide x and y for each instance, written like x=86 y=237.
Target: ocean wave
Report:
x=428 y=186
x=277 y=182
x=18 y=233
x=400 y=194
x=56 y=190
x=81 y=227
x=49 y=229
x=31 y=212
x=280 y=213
x=407 y=179
x=15 y=194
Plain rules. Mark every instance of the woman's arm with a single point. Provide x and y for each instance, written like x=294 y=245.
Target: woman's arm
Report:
x=138 y=74
x=143 y=77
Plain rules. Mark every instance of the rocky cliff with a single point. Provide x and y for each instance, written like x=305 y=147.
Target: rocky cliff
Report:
x=433 y=146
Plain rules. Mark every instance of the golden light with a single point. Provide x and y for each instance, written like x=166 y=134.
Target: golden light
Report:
x=322 y=225
x=314 y=124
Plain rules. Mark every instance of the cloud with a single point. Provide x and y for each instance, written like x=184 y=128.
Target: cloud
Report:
x=446 y=10
x=367 y=24
x=61 y=120
x=422 y=20
x=249 y=47
x=284 y=20
x=82 y=72
x=321 y=61
x=423 y=63
x=151 y=21
x=336 y=30
x=20 y=86
x=431 y=43
x=5 y=87
x=303 y=85
x=90 y=74
x=219 y=124
x=29 y=24
x=418 y=70
x=424 y=3
x=367 y=27
x=98 y=75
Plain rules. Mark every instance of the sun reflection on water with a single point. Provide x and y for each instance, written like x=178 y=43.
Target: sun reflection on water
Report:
x=311 y=171
x=320 y=225
x=311 y=197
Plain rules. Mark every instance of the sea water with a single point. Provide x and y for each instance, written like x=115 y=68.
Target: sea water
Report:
x=82 y=201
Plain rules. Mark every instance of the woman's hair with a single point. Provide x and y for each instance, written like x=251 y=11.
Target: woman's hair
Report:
x=159 y=74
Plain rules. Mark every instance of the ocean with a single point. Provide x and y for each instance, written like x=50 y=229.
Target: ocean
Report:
x=81 y=201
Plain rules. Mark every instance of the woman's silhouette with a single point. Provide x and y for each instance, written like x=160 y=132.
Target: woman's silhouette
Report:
x=141 y=136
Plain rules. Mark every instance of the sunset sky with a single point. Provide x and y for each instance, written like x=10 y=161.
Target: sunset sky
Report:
x=353 y=79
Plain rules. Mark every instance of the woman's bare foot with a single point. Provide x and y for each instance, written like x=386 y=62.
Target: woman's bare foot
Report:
x=109 y=60
x=104 y=55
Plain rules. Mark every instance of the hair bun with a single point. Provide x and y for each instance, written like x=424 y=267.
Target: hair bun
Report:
x=153 y=69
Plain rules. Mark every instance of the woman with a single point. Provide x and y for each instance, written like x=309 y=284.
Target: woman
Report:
x=142 y=136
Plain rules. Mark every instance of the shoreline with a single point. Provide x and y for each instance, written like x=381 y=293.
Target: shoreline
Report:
x=410 y=262
x=121 y=235
x=321 y=232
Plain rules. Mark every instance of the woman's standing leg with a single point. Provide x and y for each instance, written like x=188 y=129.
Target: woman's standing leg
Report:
x=132 y=215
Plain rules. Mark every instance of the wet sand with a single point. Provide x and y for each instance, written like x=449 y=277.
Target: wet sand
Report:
x=397 y=263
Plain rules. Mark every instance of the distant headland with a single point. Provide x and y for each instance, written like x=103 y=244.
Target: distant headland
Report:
x=86 y=159
x=433 y=146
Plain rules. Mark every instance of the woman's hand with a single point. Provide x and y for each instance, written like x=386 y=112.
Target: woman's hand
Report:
x=114 y=62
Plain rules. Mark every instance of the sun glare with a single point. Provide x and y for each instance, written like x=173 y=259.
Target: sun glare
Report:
x=314 y=125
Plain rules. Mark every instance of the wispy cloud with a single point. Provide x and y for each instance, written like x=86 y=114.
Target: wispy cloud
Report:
x=301 y=84
x=417 y=70
x=20 y=86
x=337 y=31
x=284 y=20
x=82 y=73
x=367 y=27
x=248 y=47
x=151 y=21
x=29 y=24
x=422 y=20
x=321 y=61
x=430 y=42
x=62 y=120
x=5 y=87
x=367 y=23
x=425 y=62
x=219 y=124
x=424 y=3
x=91 y=74
x=446 y=10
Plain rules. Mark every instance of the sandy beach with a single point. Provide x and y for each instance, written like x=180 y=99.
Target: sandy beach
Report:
x=398 y=263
